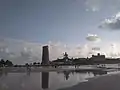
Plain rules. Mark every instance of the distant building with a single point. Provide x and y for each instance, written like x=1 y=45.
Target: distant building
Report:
x=45 y=55
x=82 y=61
x=64 y=60
x=65 y=57
x=98 y=57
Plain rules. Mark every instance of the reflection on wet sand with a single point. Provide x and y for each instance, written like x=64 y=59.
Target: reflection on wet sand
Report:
x=28 y=73
x=95 y=73
x=49 y=80
x=3 y=72
x=45 y=80
x=66 y=74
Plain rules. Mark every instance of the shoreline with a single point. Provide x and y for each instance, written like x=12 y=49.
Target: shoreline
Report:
x=104 y=75
x=102 y=82
x=56 y=69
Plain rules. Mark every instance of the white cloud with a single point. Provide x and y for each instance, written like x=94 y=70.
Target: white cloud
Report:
x=112 y=23
x=93 y=38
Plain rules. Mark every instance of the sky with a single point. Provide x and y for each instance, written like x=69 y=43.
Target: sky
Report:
x=65 y=25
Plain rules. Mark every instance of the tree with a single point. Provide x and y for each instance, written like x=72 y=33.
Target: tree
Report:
x=34 y=63
x=26 y=64
x=38 y=63
x=8 y=63
x=2 y=62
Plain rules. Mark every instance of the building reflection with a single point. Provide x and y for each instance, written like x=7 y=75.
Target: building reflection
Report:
x=95 y=73
x=66 y=74
x=100 y=73
x=28 y=73
x=45 y=80
x=6 y=73
x=1 y=73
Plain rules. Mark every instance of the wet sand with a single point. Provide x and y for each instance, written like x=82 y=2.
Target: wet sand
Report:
x=30 y=81
x=106 y=82
x=48 y=69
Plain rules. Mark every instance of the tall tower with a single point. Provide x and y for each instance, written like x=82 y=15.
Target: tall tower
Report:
x=45 y=55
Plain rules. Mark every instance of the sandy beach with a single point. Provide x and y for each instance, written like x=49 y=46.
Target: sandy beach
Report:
x=106 y=82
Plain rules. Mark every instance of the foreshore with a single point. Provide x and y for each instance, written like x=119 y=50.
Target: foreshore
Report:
x=49 y=69
x=104 y=82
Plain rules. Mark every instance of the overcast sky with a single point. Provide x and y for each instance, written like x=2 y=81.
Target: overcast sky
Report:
x=65 y=21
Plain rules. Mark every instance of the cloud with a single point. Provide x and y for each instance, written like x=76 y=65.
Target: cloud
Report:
x=93 y=38
x=96 y=48
x=97 y=5
x=112 y=23
x=93 y=5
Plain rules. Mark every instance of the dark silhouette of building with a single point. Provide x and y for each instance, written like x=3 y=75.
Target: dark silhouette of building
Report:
x=45 y=80
x=64 y=60
x=98 y=57
x=45 y=56
x=95 y=59
x=65 y=57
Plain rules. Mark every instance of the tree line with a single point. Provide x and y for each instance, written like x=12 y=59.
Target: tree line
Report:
x=33 y=64
x=6 y=63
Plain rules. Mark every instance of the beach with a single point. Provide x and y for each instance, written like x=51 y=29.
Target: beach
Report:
x=105 y=82
x=61 y=78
